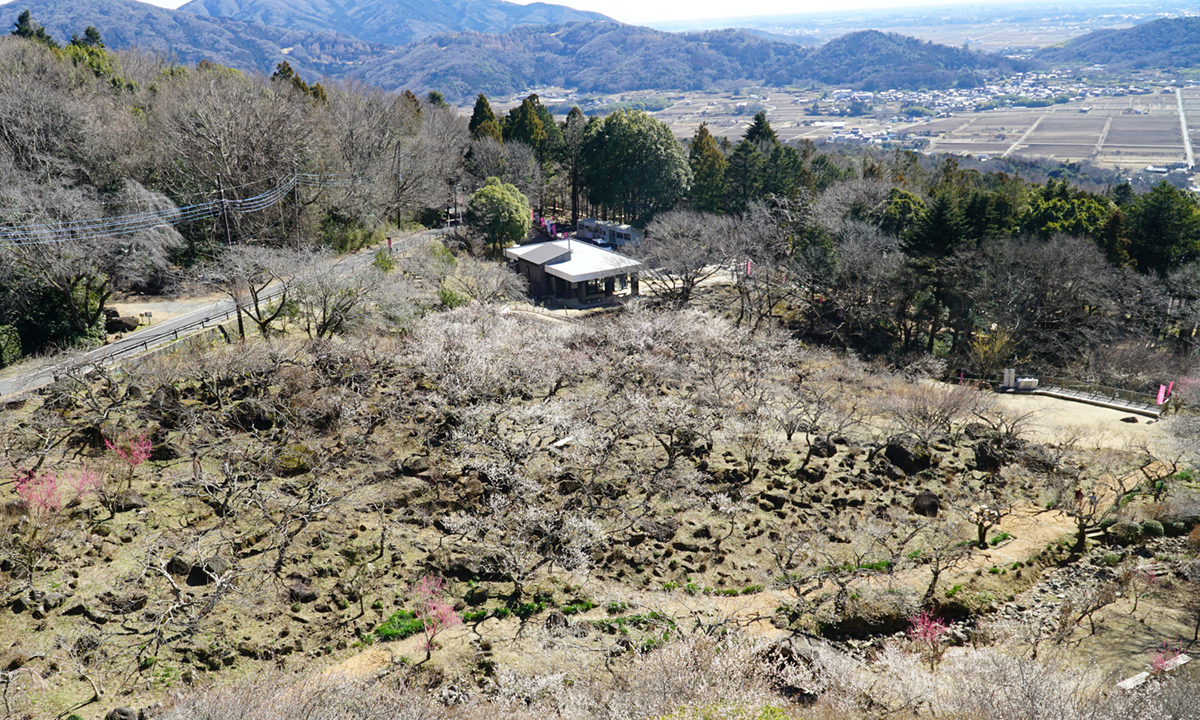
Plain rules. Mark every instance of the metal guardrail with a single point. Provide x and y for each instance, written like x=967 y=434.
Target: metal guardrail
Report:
x=1099 y=392
x=166 y=338
x=1093 y=393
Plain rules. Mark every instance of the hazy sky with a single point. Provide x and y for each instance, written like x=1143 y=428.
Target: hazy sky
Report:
x=646 y=11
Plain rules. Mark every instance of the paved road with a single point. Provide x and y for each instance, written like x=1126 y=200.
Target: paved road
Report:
x=169 y=331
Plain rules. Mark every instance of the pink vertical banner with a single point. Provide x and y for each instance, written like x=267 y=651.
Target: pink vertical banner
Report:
x=1162 y=394
x=553 y=228
x=1170 y=388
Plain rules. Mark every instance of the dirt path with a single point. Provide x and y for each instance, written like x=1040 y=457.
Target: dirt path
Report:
x=1055 y=421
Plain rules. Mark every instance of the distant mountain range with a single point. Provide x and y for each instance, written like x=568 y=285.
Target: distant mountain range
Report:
x=463 y=47
x=610 y=57
x=394 y=22
x=1166 y=43
x=190 y=38
x=593 y=57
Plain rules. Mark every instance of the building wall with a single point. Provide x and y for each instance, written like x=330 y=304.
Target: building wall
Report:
x=540 y=282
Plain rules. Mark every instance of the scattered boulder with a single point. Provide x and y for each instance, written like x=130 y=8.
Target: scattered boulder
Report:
x=178 y=566
x=122 y=713
x=127 y=323
x=165 y=451
x=252 y=414
x=908 y=456
x=885 y=469
x=414 y=465
x=1125 y=532
x=127 y=500
x=557 y=621
x=14 y=659
x=204 y=573
x=1131 y=419
x=989 y=458
x=302 y=593
x=810 y=473
x=662 y=530
x=823 y=447
x=926 y=503
x=295 y=459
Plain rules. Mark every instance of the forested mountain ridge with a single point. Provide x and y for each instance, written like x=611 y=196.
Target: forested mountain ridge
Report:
x=1169 y=42
x=395 y=22
x=873 y=60
x=609 y=57
x=190 y=38
x=594 y=57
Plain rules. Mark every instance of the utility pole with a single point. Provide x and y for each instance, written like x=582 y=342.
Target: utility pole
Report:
x=237 y=304
x=399 y=177
x=224 y=213
x=296 y=201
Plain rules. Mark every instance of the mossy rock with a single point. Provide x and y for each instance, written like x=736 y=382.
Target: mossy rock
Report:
x=295 y=459
x=1152 y=528
x=1125 y=532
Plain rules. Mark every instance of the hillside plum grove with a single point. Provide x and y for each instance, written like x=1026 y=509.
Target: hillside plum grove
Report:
x=227 y=506
x=743 y=495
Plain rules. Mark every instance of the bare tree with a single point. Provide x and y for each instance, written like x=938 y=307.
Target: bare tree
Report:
x=683 y=249
x=484 y=281
x=521 y=531
x=260 y=280
x=333 y=298
x=926 y=411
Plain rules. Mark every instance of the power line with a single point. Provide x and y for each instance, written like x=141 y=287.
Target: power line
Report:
x=91 y=229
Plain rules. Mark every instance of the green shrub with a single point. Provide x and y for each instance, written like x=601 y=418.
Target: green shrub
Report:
x=999 y=538
x=577 y=607
x=384 y=261
x=1111 y=560
x=400 y=625
x=525 y=610
x=10 y=345
x=474 y=616
x=345 y=234
x=1152 y=528
x=451 y=299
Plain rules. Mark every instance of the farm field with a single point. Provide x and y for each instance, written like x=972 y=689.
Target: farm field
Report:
x=1119 y=132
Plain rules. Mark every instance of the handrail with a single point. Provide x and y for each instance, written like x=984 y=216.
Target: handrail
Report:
x=1103 y=391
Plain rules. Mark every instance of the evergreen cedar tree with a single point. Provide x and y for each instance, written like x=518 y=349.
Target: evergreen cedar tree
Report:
x=708 y=171
x=29 y=29
x=285 y=74
x=630 y=144
x=480 y=116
